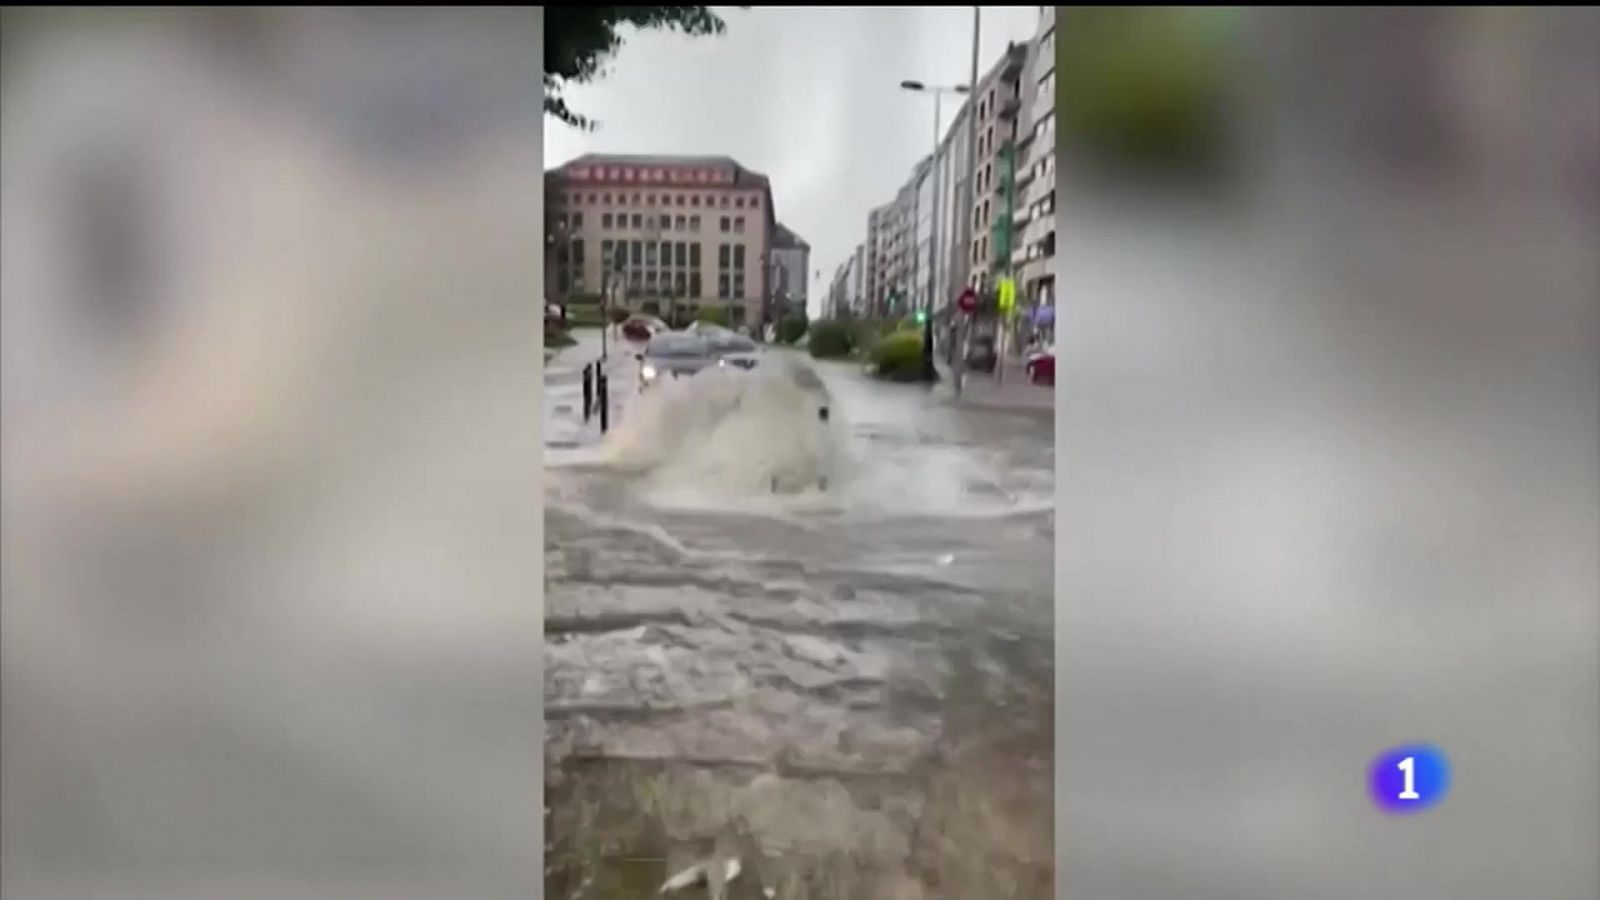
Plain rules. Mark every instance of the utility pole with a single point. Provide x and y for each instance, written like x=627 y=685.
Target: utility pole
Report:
x=967 y=193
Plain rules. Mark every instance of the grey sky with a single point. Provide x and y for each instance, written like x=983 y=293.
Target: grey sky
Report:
x=808 y=96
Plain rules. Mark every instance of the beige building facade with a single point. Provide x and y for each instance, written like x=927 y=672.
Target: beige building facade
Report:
x=661 y=234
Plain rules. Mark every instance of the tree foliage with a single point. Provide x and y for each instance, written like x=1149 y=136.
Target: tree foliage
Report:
x=579 y=40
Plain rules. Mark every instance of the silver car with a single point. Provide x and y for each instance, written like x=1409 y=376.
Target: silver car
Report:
x=673 y=355
x=731 y=349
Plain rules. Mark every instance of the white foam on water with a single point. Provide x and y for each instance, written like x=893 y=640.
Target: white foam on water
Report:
x=753 y=442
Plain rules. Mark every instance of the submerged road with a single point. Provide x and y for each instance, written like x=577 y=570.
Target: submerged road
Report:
x=849 y=690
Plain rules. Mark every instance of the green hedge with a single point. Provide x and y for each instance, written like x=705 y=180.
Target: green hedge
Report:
x=791 y=329
x=715 y=315
x=898 y=357
x=832 y=339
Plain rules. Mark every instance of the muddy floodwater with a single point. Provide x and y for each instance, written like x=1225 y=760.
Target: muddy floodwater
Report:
x=814 y=652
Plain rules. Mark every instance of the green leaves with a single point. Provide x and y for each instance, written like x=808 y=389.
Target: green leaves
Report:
x=578 y=40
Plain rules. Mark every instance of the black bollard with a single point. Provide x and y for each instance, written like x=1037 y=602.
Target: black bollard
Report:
x=604 y=399
x=588 y=390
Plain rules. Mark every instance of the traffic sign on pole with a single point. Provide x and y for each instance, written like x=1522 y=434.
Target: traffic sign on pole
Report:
x=968 y=301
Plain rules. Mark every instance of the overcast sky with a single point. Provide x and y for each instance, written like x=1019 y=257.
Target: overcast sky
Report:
x=808 y=96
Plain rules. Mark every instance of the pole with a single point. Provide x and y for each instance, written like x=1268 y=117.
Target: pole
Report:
x=928 y=372
x=967 y=193
x=605 y=304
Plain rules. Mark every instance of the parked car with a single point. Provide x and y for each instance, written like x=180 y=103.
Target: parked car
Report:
x=673 y=354
x=980 y=354
x=1041 y=365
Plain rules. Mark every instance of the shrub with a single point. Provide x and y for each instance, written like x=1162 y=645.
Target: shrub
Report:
x=716 y=315
x=584 y=317
x=898 y=357
x=791 y=329
x=832 y=339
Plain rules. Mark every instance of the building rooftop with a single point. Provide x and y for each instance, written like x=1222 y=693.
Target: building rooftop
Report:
x=743 y=176
x=784 y=238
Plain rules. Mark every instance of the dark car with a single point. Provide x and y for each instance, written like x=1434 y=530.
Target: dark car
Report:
x=674 y=355
x=980 y=354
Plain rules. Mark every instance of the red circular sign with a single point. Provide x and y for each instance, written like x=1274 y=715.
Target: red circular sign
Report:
x=968 y=301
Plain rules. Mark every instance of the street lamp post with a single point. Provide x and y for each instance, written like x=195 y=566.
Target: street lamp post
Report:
x=928 y=373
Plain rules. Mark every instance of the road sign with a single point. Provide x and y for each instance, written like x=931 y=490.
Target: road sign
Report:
x=968 y=301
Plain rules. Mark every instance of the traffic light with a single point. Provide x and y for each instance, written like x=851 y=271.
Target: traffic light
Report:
x=922 y=316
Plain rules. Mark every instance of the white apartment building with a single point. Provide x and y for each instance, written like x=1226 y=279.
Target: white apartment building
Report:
x=1034 y=248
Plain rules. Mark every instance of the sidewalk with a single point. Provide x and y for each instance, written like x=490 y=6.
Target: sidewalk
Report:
x=1011 y=390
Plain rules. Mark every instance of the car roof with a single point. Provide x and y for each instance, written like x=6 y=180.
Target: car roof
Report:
x=678 y=341
x=732 y=342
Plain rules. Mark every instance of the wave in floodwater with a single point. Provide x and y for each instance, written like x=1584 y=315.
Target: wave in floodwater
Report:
x=776 y=441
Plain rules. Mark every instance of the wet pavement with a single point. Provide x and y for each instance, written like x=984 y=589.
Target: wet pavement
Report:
x=847 y=690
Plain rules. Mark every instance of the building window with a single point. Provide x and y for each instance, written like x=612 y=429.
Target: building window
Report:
x=678 y=201
x=650 y=253
x=694 y=224
x=738 y=224
x=722 y=287
x=635 y=280
x=738 y=285
x=636 y=252
x=606 y=199
x=606 y=249
x=724 y=224
x=636 y=200
x=638 y=221
x=694 y=200
x=650 y=281
x=682 y=223
x=723 y=254
x=680 y=254
x=694 y=284
x=666 y=222
x=694 y=256
x=681 y=283
x=738 y=203
x=738 y=256
x=605 y=220
x=755 y=202
x=577 y=253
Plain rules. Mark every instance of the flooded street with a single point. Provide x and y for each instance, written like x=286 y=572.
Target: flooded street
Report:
x=845 y=686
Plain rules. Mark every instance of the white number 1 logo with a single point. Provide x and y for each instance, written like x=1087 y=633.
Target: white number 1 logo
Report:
x=1408 y=766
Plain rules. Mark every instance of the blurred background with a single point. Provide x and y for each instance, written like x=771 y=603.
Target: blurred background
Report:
x=271 y=514
x=1329 y=471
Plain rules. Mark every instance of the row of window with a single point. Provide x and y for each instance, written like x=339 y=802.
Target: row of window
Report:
x=710 y=201
x=664 y=253
x=651 y=282
x=638 y=222
x=641 y=221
